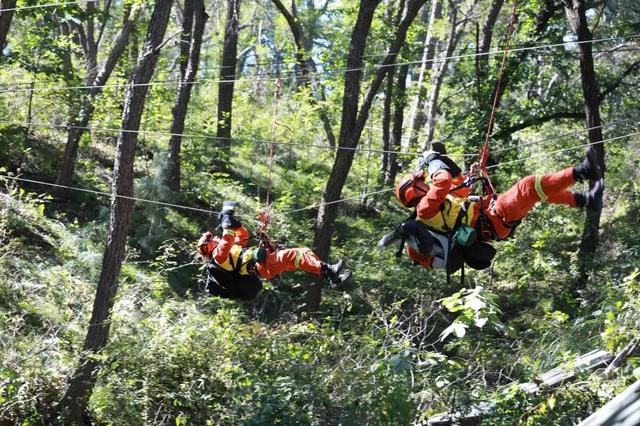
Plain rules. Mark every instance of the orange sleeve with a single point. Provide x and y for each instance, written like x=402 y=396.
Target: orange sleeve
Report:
x=440 y=186
x=222 y=250
x=242 y=236
x=460 y=192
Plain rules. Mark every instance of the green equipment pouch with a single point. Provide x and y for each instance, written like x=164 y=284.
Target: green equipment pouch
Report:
x=465 y=236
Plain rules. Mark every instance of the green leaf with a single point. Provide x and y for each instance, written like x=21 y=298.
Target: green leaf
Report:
x=459 y=329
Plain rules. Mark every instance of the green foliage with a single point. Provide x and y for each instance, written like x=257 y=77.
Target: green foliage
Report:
x=381 y=350
x=473 y=307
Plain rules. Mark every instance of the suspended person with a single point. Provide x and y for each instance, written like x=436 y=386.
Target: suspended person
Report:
x=449 y=228
x=235 y=271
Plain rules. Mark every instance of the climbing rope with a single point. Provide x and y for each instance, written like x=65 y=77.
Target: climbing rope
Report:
x=264 y=217
x=481 y=165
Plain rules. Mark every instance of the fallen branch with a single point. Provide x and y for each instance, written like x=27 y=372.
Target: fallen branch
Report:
x=622 y=356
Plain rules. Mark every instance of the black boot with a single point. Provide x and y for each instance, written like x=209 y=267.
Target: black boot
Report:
x=588 y=169
x=392 y=237
x=334 y=273
x=591 y=199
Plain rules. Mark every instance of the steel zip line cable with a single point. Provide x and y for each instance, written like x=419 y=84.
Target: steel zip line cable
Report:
x=291 y=73
x=43 y=6
x=179 y=206
x=547 y=154
x=254 y=77
x=207 y=137
x=297 y=144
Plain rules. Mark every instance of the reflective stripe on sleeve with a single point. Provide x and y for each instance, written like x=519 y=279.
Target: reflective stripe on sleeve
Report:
x=538 y=187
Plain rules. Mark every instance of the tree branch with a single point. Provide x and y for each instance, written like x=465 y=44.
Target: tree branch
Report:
x=411 y=12
x=538 y=120
x=612 y=87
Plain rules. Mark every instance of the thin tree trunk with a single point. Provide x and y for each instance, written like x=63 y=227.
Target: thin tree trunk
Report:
x=542 y=19
x=387 y=110
x=327 y=212
x=487 y=35
x=353 y=121
x=79 y=122
x=386 y=125
x=418 y=117
x=5 y=21
x=438 y=78
x=189 y=62
x=74 y=402
x=227 y=76
x=400 y=102
x=575 y=11
x=307 y=65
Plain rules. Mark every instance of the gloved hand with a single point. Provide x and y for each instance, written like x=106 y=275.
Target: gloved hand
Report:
x=205 y=244
x=226 y=217
x=228 y=221
x=427 y=157
x=433 y=161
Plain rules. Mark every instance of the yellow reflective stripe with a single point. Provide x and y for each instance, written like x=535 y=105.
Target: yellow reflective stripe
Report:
x=229 y=232
x=538 y=186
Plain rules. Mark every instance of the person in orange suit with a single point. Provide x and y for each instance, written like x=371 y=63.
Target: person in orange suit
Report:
x=235 y=270
x=442 y=207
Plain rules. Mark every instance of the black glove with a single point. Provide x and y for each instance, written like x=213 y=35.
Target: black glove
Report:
x=427 y=157
x=434 y=162
x=226 y=217
x=228 y=221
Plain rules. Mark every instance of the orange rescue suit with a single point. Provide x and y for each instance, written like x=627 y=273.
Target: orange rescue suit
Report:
x=230 y=253
x=439 y=209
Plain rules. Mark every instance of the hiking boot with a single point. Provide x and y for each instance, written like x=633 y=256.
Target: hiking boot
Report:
x=588 y=169
x=396 y=235
x=334 y=273
x=591 y=199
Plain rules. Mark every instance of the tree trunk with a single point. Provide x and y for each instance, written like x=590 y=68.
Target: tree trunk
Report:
x=189 y=61
x=227 y=77
x=575 y=11
x=74 y=402
x=418 y=117
x=386 y=125
x=438 y=78
x=400 y=102
x=542 y=19
x=353 y=122
x=307 y=65
x=350 y=99
x=487 y=35
x=79 y=122
x=5 y=21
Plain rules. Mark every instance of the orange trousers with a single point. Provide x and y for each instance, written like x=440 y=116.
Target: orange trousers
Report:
x=513 y=205
x=292 y=259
